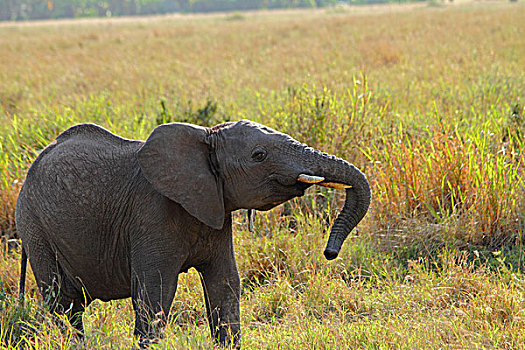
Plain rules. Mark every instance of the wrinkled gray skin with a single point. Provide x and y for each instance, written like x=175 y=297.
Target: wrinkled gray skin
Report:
x=102 y=217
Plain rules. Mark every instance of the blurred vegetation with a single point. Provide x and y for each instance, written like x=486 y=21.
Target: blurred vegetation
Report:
x=13 y=10
x=427 y=101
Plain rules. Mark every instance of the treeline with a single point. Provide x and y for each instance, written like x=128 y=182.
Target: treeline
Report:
x=13 y=10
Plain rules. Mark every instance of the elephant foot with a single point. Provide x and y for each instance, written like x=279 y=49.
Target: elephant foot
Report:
x=145 y=343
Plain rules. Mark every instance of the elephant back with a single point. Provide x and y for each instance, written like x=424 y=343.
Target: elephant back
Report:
x=94 y=133
x=84 y=165
x=86 y=136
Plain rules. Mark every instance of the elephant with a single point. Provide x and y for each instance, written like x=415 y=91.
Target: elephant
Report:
x=104 y=217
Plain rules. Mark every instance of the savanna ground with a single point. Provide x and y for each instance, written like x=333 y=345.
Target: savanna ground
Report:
x=427 y=100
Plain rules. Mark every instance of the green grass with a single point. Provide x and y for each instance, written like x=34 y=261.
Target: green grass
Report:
x=427 y=101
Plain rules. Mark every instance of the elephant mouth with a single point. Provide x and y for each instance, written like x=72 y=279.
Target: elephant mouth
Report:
x=284 y=190
x=297 y=189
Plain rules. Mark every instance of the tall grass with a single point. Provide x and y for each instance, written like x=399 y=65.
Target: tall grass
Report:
x=461 y=181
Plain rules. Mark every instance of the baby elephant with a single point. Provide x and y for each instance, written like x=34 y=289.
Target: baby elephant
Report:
x=103 y=217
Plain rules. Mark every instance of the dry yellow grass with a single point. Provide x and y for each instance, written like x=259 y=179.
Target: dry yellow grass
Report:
x=437 y=48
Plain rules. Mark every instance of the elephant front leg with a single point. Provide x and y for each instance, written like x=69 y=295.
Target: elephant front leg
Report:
x=152 y=295
x=221 y=285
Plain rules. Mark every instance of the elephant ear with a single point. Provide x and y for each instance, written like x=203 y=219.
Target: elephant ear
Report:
x=175 y=160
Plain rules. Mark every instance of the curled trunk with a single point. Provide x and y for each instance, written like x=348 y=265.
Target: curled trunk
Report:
x=355 y=208
x=338 y=171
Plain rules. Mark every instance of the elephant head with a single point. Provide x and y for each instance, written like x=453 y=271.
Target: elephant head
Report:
x=245 y=165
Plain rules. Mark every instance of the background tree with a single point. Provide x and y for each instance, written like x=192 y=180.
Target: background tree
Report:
x=43 y=9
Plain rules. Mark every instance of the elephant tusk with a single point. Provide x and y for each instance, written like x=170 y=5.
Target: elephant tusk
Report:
x=335 y=185
x=309 y=179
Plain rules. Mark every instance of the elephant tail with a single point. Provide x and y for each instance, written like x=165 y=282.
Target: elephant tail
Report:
x=23 y=269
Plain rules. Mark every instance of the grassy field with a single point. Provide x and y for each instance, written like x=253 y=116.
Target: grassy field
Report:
x=427 y=100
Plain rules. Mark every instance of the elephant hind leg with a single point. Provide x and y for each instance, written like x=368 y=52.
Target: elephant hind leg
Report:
x=63 y=298
x=74 y=314
x=58 y=292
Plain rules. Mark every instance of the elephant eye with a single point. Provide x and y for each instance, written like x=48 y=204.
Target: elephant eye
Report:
x=259 y=155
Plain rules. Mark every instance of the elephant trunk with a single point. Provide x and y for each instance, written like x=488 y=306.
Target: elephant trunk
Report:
x=334 y=172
